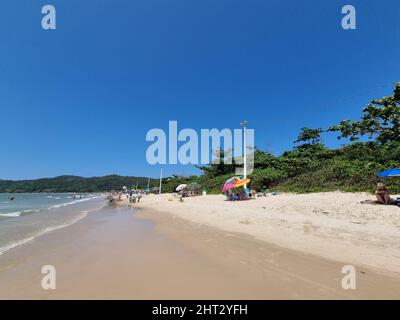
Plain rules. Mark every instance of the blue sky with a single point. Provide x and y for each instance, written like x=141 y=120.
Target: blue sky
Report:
x=80 y=99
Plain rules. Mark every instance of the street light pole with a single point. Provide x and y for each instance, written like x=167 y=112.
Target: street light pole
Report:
x=244 y=124
x=160 y=181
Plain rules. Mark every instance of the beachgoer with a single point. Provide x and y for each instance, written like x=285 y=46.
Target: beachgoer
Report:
x=230 y=195
x=234 y=196
x=382 y=194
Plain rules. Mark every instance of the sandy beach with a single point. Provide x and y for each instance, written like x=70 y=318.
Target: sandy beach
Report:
x=332 y=225
x=206 y=248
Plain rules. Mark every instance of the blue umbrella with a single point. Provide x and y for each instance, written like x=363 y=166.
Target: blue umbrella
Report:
x=390 y=173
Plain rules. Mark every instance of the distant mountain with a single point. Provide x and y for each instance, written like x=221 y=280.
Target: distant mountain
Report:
x=75 y=184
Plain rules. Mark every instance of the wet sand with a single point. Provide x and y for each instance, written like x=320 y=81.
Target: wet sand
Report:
x=113 y=254
x=333 y=225
x=279 y=272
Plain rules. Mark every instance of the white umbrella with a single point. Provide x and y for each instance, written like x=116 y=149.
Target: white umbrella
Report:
x=181 y=187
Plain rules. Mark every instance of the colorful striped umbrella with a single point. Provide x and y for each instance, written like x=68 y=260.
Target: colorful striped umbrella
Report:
x=228 y=186
x=242 y=182
x=233 y=180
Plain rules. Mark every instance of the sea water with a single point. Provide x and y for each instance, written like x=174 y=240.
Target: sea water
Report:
x=26 y=216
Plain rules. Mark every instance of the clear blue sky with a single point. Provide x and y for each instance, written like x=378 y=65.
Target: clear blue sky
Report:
x=80 y=99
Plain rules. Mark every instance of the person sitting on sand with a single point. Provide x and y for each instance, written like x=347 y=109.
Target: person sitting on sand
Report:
x=382 y=194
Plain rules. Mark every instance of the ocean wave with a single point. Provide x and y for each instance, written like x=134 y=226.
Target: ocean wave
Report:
x=73 y=202
x=40 y=233
x=11 y=214
x=17 y=213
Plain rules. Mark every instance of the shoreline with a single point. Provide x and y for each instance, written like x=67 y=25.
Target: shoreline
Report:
x=72 y=205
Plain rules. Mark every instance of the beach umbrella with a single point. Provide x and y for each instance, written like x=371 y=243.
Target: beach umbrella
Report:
x=233 y=180
x=390 y=173
x=228 y=186
x=242 y=182
x=181 y=187
x=230 y=183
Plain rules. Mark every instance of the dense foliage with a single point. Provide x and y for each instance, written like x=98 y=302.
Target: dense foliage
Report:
x=74 y=184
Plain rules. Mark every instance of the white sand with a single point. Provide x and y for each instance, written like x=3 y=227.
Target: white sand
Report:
x=332 y=225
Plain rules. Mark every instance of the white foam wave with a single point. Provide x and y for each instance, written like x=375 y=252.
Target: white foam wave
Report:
x=73 y=202
x=25 y=212
x=17 y=213
x=40 y=233
x=11 y=214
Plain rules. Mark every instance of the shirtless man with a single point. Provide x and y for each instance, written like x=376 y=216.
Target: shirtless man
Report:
x=382 y=195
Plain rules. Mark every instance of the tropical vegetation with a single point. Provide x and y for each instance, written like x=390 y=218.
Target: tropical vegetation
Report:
x=374 y=145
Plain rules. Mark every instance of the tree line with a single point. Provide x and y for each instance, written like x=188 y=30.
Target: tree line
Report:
x=75 y=184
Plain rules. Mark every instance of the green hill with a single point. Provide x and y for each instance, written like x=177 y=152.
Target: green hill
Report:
x=74 y=184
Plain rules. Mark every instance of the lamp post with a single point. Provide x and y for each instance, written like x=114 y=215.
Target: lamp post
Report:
x=244 y=124
x=159 y=191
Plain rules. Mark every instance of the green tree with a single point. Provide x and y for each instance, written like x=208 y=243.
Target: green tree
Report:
x=222 y=164
x=380 y=120
x=309 y=136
